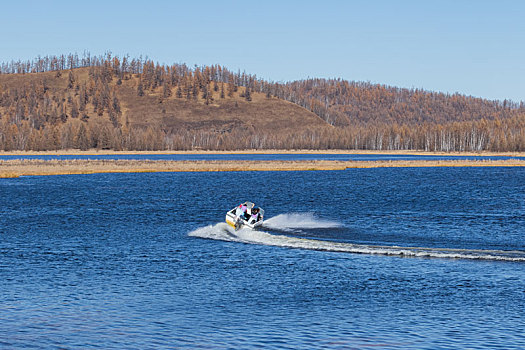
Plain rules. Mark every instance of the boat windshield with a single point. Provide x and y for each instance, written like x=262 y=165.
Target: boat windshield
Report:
x=249 y=205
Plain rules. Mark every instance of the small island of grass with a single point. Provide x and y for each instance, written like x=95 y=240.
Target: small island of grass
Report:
x=32 y=167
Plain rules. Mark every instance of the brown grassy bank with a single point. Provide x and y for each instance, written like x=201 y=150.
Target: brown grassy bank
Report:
x=15 y=168
x=263 y=151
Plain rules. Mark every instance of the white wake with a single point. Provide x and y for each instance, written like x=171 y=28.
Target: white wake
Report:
x=224 y=232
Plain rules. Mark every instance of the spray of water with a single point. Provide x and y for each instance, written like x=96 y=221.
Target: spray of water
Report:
x=288 y=222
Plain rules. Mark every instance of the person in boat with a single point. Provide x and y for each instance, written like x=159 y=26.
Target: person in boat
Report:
x=255 y=216
x=247 y=214
x=240 y=212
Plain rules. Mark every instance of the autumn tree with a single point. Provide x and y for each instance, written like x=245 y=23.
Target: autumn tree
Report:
x=74 y=110
x=140 y=88
x=166 y=91
x=82 y=138
x=231 y=89
x=71 y=80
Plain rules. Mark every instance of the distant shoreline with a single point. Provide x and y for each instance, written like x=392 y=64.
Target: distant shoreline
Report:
x=38 y=167
x=265 y=151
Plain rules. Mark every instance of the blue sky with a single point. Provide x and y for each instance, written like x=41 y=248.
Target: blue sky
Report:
x=471 y=47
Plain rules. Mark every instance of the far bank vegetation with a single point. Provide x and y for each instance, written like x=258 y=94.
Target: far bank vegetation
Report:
x=122 y=103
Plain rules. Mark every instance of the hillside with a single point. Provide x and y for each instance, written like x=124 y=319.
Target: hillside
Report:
x=41 y=104
x=112 y=103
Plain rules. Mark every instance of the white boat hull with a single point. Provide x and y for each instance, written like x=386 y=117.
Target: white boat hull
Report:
x=238 y=223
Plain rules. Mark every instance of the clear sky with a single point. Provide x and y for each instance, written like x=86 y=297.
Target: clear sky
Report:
x=471 y=47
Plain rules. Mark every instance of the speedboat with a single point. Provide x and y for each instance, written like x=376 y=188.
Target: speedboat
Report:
x=245 y=215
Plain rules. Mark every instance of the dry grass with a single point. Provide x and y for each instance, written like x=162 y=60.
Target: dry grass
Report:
x=266 y=151
x=15 y=168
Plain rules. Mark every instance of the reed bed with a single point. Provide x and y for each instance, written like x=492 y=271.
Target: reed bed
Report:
x=34 y=167
x=266 y=151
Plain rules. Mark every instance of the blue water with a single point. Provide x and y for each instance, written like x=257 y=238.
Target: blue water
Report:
x=340 y=157
x=408 y=258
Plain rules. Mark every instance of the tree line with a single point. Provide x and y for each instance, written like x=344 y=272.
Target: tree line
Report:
x=65 y=110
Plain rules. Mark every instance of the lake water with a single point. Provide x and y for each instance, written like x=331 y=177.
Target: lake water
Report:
x=407 y=258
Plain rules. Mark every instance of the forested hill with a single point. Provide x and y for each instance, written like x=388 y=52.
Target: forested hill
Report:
x=109 y=102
